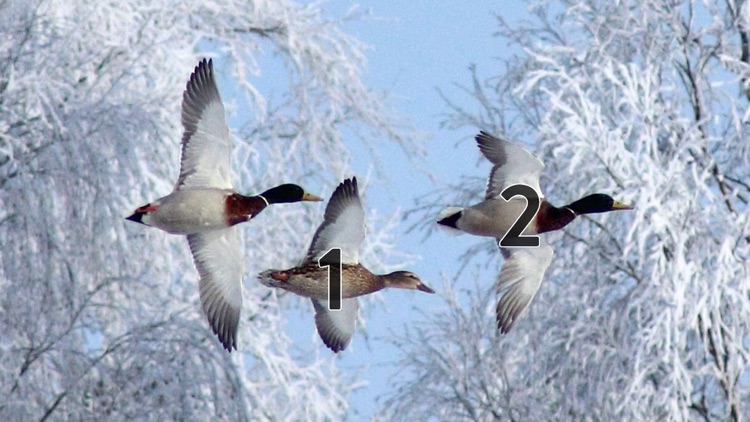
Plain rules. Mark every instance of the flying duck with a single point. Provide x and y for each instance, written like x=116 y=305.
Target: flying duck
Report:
x=205 y=207
x=524 y=268
x=343 y=227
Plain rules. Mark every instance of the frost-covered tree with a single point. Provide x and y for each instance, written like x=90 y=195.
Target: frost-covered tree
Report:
x=642 y=316
x=100 y=319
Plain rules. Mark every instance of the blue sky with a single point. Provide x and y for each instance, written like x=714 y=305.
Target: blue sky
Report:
x=416 y=48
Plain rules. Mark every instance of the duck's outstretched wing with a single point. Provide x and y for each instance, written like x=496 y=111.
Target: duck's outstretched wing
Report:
x=343 y=225
x=511 y=165
x=206 y=143
x=218 y=258
x=518 y=282
x=336 y=327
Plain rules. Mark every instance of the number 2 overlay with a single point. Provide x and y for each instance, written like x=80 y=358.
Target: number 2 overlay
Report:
x=513 y=237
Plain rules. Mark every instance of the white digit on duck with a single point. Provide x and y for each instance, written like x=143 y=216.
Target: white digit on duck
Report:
x=205 y=207
x=343 y=227
x=523 y=270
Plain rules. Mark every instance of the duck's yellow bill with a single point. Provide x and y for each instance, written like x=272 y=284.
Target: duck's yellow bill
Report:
x=310 y=197
x=616 y=205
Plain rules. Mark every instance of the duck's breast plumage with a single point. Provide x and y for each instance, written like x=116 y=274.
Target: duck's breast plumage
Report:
x=188 y=211
x=550 y=218
x=240 y=208
x=493 y=217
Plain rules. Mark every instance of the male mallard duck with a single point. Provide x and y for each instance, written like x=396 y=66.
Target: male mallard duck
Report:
x=343 y=227
x=524 y=268
x=204 y=206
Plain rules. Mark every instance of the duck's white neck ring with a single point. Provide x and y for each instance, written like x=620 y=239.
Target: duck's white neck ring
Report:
x=264 y=199
x=571 y=211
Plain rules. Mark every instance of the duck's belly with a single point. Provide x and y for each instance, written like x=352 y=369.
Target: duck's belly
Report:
x=494 y=218
x=190 y=211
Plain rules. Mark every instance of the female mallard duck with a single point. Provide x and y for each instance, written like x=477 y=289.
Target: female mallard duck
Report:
x=343 y=227
x=524 y=268
x=204 y=206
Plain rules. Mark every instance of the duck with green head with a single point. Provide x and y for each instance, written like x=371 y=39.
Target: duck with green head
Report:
x=524 y=268
x=205 y=207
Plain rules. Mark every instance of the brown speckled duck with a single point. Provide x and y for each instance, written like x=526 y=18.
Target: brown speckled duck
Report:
x=205 y=207
x=524 y=268
x=343 y=227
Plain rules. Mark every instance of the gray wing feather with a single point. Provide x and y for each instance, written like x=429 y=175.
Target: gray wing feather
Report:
x=511 y=165
x=343 y=225
x=519 y=281
x=218 y=258
x=206 y=142
x=336 y=327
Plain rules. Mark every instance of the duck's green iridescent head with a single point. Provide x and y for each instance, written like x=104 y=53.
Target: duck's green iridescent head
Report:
x=288 y=192
x=597 y=203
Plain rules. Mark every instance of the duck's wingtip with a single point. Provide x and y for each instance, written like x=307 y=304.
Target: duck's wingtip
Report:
x=348 y=186
x=227 y=340
x=482 y=134
x=203 y=63
x=229 y=346
x=504 y=327
x=504 y=321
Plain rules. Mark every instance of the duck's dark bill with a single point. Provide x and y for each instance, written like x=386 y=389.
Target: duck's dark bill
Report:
x=424 y=288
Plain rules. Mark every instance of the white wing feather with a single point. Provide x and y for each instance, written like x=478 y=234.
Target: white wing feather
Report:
x=336 y=327
x=511 y=165
x=343 y=225
x=218 y=258
x=519 y=280
x=206 y=143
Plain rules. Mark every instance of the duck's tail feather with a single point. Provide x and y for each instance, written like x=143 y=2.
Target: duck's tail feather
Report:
x=273 y=278
x=449 y=217
x=136 y=217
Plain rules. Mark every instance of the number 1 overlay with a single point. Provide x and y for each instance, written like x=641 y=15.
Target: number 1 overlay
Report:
x=332 y=260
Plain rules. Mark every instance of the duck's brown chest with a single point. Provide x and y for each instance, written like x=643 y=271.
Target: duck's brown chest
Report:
x=240 y=208
x=550 y=218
